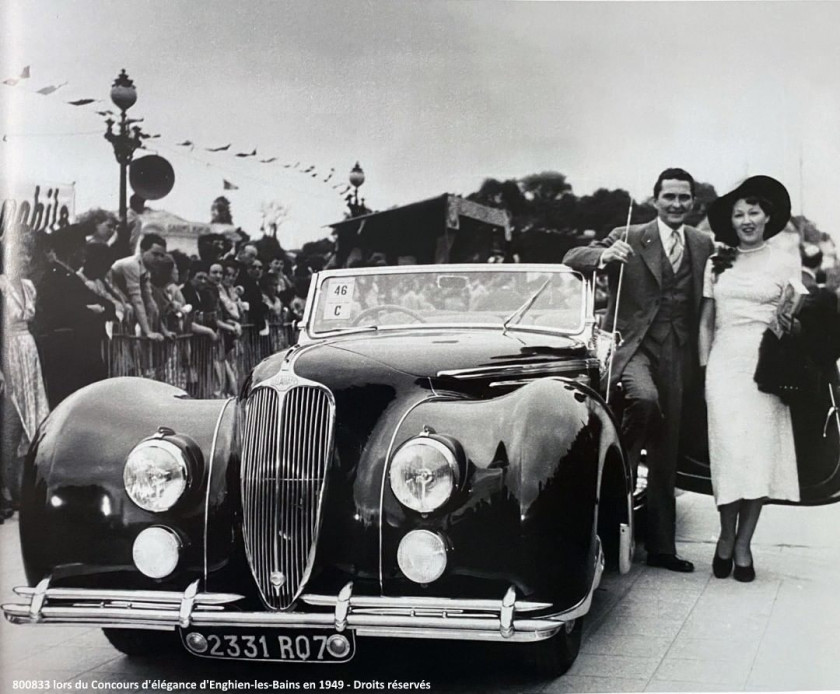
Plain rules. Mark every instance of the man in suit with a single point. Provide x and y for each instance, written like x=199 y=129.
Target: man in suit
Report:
x=656 y=361
x=131 y=276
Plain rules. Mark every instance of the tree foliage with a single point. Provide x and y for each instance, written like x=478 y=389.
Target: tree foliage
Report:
x=548 y=218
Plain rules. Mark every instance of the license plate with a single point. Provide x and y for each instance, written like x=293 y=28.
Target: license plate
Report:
x=279 y=645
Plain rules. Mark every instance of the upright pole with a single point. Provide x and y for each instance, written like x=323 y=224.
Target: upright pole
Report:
x=617 y=302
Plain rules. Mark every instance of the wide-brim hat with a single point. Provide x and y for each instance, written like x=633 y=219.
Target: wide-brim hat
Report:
x=766 y=187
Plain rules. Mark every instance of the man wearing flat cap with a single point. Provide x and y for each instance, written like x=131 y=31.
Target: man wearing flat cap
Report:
x=656 y=361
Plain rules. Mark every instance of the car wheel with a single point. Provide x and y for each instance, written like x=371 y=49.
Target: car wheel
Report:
x=554 y=656
x=138 y=642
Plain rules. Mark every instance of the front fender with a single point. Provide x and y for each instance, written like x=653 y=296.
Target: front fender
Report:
x=527 y=512
x=76 y=518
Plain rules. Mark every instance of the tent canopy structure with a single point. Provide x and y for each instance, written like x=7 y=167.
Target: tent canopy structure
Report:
x=445 y=229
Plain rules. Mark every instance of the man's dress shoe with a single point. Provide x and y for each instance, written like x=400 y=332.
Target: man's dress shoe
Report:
x=671 y=562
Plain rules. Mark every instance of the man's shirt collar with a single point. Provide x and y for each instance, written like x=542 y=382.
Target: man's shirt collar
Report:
x=665 y=233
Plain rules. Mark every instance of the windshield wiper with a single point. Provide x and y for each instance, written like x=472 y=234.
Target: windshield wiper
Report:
x=518 y=313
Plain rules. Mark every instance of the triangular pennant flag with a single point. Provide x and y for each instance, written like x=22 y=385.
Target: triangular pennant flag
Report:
x=227 y=185
x=247 y=154
x=296 y=164
x=185 y=143
x=11 y=82
x=218 y=149
x=308 y=169
x=24 y=74
x=104 y=113
x=46 y=91
x=81 y=102
x=268 y=161
x=329 y=175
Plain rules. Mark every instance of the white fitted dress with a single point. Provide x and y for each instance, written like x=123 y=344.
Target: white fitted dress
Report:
x=751 y=449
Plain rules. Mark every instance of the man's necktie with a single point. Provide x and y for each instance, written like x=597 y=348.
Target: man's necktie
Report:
x=675 y=252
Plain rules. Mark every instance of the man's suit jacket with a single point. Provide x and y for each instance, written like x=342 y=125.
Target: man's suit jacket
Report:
x=641 y=288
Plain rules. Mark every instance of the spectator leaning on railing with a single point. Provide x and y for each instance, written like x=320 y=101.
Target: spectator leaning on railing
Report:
x=131 y=276
x=71 y=318
x=93 y=273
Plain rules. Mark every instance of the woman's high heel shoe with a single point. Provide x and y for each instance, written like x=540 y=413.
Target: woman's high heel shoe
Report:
x=721 y=567
x=744 y=574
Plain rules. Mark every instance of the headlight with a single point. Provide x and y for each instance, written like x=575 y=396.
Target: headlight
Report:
x=422 y=556
x=156 y=551
x=155 y=475
x=423 y=475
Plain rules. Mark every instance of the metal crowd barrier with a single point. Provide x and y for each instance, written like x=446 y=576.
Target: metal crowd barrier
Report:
x=194 y=362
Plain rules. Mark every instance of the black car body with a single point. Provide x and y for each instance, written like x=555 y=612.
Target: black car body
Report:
x=432 y=459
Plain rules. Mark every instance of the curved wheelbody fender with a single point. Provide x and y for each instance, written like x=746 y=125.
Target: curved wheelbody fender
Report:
x=528 y=507
x=76 y=517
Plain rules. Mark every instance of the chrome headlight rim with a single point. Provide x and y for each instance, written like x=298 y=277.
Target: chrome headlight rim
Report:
x=178 y=454
x=452 y=456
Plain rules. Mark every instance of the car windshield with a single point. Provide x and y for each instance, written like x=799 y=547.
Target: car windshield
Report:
x=509 y=299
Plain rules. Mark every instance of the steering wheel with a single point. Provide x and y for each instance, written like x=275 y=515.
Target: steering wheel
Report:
x=384 y=308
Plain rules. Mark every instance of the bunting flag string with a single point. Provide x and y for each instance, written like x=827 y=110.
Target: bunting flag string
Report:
x=190 y=144
x=46 y=91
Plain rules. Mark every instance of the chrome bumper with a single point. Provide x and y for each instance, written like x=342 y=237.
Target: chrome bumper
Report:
x=403 y=617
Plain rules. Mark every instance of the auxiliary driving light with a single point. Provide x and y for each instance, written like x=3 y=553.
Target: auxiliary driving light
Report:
x=156 y=551
x=196 y=642
x=422 y=556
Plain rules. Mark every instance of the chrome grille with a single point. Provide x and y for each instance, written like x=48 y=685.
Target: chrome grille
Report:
x=287 y=444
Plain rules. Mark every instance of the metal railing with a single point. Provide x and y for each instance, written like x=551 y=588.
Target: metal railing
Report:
x=194 y=362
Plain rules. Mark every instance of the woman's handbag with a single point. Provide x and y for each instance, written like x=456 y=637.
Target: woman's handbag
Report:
x=784 y=368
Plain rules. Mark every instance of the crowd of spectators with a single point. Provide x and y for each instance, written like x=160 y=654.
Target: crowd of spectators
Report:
x=90 y=300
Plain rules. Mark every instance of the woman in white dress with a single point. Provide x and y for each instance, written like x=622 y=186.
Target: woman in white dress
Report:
x=751 y=447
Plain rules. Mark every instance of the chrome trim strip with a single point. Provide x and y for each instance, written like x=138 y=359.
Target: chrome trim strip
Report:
x=520 y=369
x=385 y=469
x=212 y=458
x=420 y=603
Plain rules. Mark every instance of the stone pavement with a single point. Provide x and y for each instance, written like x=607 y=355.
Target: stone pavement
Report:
x=651 y=630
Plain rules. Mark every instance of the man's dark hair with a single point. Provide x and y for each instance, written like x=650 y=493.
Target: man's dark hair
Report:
x=673 y=175
x=150 y=240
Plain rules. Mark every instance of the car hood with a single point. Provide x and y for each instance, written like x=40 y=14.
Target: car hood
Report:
x=430 y=352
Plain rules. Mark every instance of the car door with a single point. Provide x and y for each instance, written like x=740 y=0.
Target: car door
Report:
x=816 y=430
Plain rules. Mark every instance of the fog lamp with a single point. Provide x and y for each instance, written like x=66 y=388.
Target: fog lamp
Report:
x=422 y=556
x=156 y=551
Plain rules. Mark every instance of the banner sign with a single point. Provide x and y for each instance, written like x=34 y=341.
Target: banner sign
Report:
x=35 y=207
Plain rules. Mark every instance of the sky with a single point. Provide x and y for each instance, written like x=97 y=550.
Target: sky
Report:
x=430 y=97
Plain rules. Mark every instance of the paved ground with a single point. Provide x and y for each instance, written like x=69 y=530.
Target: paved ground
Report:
x=651 y=630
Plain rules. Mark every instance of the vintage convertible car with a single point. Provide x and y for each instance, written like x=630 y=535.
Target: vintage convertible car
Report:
x=432 y=459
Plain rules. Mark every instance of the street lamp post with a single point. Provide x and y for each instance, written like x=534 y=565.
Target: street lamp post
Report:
x=354 y=202
x=123 y=94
